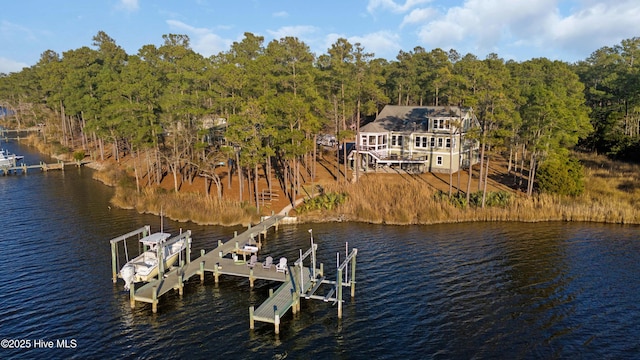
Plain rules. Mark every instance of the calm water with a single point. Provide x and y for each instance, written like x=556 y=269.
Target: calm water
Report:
x=498 y=290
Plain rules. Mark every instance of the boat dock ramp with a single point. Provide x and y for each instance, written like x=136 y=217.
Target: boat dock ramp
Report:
x=234 y=258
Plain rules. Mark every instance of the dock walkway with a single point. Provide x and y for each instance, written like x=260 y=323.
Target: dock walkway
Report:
x=286 y=296
x=60 y=165
x=298 y=281
x=215 y=262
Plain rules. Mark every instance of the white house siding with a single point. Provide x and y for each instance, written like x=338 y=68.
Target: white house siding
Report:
x=428 y=124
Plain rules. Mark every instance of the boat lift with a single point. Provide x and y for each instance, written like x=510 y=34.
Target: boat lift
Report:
x=317 y=277
x=304 y=282
x=162 y=244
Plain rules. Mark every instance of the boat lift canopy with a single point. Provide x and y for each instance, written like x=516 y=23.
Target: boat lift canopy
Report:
x=155 y=238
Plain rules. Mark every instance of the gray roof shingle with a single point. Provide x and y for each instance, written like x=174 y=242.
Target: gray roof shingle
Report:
x=407 y=119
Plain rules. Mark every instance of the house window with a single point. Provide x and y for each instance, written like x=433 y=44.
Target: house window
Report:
x=439 y=160
x=433 y=142
x=439 y=142
x=441 y=124
x=448 y=143
x=424 y=141
x=417 y=141
x=396 y=140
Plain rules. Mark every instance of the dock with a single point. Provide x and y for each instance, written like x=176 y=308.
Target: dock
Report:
x=230 y=258
x=23 y=168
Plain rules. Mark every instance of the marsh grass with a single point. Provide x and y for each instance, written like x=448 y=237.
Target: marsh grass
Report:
x=612 y=195
x=188 y=206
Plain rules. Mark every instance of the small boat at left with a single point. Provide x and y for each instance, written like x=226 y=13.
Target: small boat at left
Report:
x=159 y=252
x=7 y=159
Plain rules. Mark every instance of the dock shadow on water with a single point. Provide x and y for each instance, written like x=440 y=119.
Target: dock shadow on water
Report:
x=480 y=290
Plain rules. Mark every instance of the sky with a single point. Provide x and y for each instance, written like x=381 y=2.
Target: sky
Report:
x=568 y=30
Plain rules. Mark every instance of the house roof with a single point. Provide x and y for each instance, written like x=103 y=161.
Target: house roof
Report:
x=411 y=118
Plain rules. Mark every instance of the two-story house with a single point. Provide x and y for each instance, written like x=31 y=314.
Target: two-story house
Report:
x=418 y=139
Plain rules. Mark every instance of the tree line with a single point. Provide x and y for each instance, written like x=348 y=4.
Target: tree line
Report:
x=277 y=98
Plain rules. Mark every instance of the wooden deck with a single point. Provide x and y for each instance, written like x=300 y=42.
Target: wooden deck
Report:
x=228 y=258
x=283 y=298
x=215 y=262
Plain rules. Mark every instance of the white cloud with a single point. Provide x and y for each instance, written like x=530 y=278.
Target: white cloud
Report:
x=203 y=40
x=393 y=6
x=129 y=5
x=9 y=66
x=543 y=27
x=281 y=14
x=417 y=16
x=595 y=26
x=383 y=44
x=299 y=31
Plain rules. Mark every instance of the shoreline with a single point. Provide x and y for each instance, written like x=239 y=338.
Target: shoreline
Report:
x=361 y=207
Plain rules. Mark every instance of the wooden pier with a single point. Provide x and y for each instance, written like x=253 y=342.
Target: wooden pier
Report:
x=23 y=168
x=230 y=258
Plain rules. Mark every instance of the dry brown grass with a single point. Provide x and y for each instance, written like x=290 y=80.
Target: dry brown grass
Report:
x=184 y=206
x=612 y=195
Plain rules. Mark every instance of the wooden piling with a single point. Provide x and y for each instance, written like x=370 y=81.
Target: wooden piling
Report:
x=154 y=300
x=339 y=290
x=114 y=262
x=294 y=308
x=181 y=278
x=252 y=323
x=353 y=276
x=132 y=295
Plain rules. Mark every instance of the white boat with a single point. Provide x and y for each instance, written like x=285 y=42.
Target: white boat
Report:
x=7 y=159
x=144 y=267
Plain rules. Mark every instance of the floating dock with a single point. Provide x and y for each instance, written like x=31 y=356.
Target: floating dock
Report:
x=230 y=258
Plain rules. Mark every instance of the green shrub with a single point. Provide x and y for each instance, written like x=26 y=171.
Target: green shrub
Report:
x=326 y=201
x=560 y=175
x=79 y=155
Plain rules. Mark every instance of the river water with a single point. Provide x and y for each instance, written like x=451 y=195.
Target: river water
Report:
x=456 y=291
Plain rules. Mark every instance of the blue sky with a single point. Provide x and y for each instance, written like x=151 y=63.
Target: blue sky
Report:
x=568 y=30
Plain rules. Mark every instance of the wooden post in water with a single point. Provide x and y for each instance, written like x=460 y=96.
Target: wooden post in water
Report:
x=294 y=308
x=181 y=278
x=202 y=253
x=251 y=320
x=154 y=299
x=339 y=291
x=114 y=262
x=216 y=272
x=132 y=295
x=251 y=278
x=188 y=240
x=276 y=322
x=353 y=274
